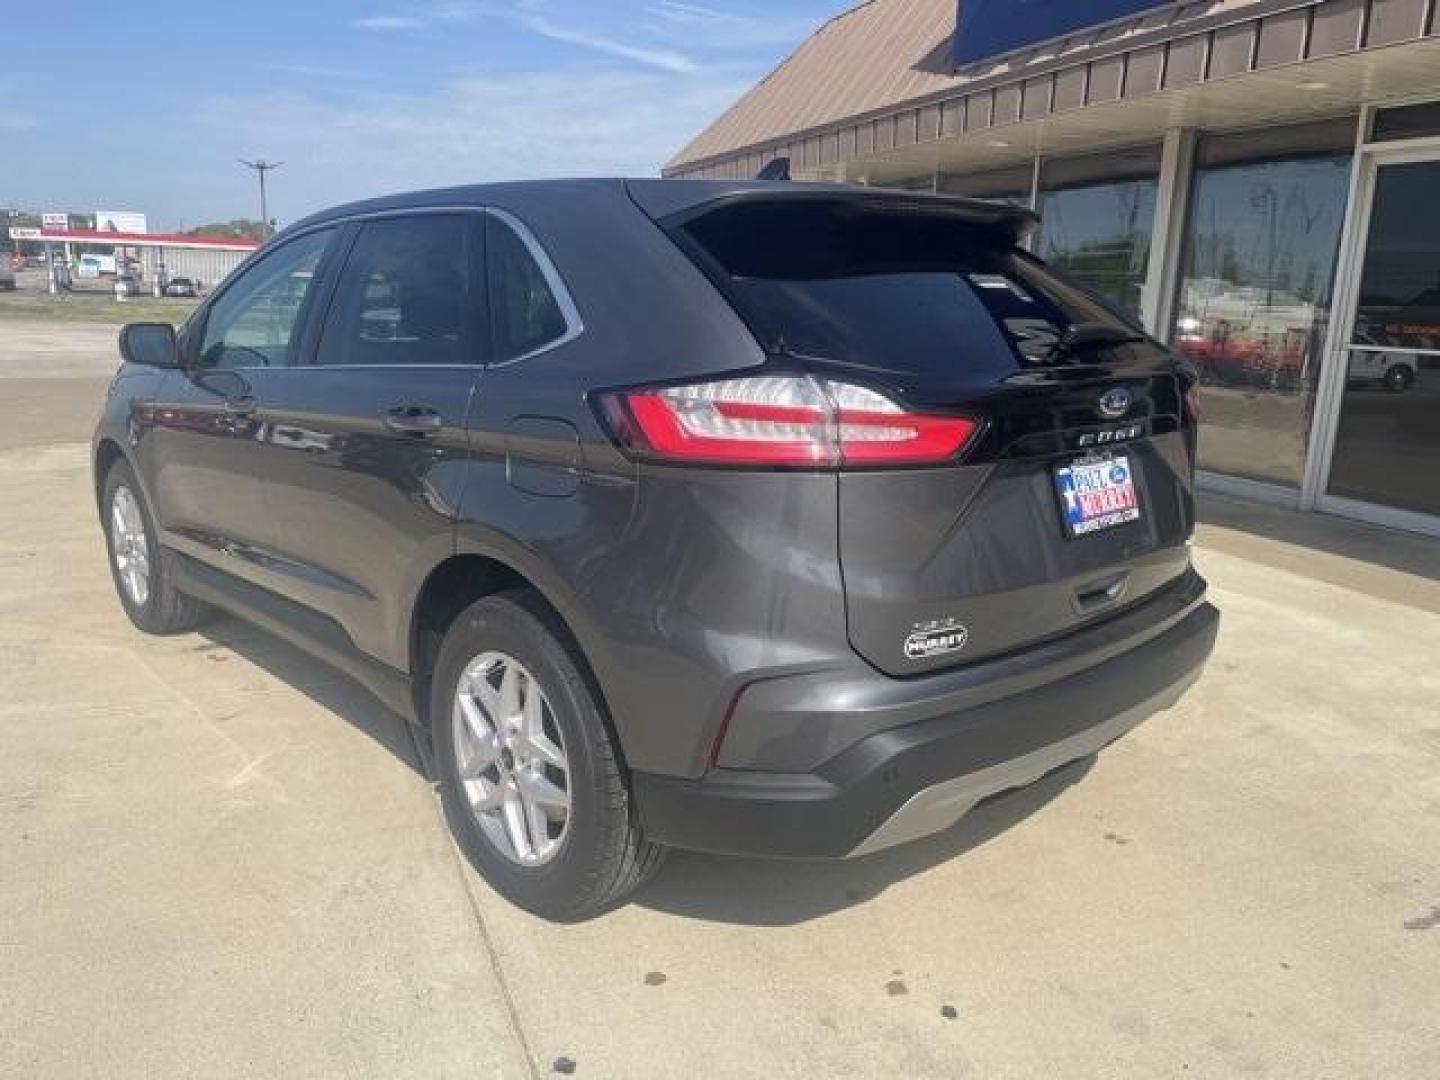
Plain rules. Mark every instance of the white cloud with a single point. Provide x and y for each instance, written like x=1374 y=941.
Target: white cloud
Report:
x=580 y=121
x=727 y=27
x=679 y=12
x=318 y=71
x=460 y=10
x=16 y=122
x=676 y=29
x=664 y=59
x=388 y=22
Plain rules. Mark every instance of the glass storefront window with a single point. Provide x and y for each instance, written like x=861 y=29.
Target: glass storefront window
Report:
x=1387 y=448
x=1406 y=122
x=1097 y=216
x=1260 y=251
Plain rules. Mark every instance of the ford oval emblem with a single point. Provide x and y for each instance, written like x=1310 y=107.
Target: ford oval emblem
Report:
x=1114 y=404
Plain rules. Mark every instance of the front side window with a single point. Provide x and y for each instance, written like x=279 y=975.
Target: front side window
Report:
x=525 y=313
x=253 y=323
x=403 y=297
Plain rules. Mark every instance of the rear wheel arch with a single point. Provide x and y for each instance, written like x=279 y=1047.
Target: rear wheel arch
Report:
x=453 y=586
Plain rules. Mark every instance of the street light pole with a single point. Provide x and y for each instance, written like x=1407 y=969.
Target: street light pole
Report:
x=261 y=167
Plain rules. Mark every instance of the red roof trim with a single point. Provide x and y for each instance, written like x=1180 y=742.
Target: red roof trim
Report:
x=89 y=236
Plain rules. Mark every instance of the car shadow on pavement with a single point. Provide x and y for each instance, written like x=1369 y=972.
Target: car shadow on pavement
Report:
x=758 y=892
x=328 y=687
x=774 y=892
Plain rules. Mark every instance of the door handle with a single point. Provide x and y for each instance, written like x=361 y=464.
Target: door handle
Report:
x=414 y=420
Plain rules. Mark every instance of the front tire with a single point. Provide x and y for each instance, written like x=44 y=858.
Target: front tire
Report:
x=142 y=577
x=530 y=775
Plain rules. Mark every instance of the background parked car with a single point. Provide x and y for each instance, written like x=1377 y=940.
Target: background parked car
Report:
x=1395 y=370
x=181 y=286
x=7 y=279
x=128 y=285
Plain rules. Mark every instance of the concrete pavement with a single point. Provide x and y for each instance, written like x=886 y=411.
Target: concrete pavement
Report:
x=35 y=354
x=218 y=858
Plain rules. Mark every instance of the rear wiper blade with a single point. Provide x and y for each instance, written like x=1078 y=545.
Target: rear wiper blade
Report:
x=1090 y=335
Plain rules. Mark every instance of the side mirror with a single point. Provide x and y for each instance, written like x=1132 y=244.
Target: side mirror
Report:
x=150 y=344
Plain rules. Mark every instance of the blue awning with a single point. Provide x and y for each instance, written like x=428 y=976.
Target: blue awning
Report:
x=986 y=28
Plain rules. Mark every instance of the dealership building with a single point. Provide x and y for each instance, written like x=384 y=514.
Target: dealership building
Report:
x=1256 y=181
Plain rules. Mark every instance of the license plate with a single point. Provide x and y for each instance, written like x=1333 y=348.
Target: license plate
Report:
x=1097 y=495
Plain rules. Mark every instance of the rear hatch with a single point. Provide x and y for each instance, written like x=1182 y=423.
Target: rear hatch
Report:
x=1072 y=501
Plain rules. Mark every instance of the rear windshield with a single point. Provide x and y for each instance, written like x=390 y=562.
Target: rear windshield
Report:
x=906 y=292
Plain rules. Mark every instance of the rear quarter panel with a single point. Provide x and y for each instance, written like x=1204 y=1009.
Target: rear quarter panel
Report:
x=672 y=580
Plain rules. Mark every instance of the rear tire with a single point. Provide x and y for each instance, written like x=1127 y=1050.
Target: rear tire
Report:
x=1398 y=378
x=530 y=775
x=139 y=566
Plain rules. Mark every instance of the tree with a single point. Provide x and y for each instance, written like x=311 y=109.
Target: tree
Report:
x=245 y=228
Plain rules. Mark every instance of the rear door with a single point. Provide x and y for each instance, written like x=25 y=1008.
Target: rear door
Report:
x=1076 y=499
x=367 y=441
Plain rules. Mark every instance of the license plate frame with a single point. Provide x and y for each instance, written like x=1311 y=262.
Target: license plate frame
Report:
x=1096 y=494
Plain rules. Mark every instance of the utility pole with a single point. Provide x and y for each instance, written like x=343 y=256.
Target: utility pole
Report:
x=261 y=167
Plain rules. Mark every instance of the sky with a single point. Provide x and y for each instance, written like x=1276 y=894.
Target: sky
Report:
x=146 y=106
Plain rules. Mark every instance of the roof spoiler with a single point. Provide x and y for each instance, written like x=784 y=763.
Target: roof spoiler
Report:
x=673 y=201
x=775 y=169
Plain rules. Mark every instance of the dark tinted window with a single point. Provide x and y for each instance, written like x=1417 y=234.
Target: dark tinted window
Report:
x=253 y=323
x=1388 y=446
x=1400 y=286
x=525 y=314
x=402 y=297
x=1407 y=122
x=908 y=292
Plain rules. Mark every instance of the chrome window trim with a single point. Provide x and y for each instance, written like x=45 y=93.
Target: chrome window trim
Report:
x=365 y=367
x=574 y=325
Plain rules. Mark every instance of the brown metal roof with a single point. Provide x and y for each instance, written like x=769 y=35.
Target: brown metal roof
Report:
x=867 y=58
x=882 y=54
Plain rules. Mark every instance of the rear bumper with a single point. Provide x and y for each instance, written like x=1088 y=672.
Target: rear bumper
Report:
x=920 y=777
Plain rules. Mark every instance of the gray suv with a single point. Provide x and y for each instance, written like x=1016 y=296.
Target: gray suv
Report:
x=773 y=519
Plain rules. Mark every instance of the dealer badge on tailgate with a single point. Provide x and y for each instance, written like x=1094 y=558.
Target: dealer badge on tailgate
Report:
x=936 y=638
x=1096 y=494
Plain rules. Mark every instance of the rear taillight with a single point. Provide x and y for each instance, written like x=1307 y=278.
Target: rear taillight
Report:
x=781 y=420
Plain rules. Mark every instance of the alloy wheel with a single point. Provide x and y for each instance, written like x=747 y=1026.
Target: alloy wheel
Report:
x=130 y=546
x=511 y=758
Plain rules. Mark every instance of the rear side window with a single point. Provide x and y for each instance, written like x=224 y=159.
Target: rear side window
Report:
x=403 y=297
x=924 y=294
x=527 y=303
